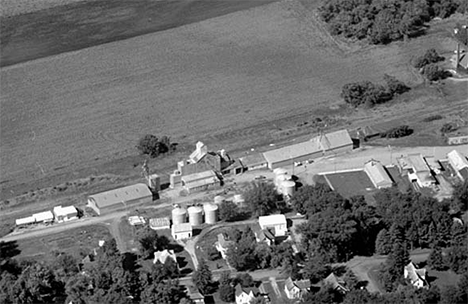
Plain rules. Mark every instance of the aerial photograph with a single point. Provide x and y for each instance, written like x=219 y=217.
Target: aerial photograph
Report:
x=233 y=151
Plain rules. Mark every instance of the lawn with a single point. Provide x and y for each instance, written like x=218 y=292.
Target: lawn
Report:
x=75 y=242
x=350 y=183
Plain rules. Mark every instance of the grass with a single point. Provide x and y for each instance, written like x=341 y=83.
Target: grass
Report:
x=74 y=242
x=442 y=278
x=351 y=183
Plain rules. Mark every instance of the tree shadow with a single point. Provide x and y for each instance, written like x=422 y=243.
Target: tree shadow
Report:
x=182 y=261
x=176 y=247
x=339 y=270
x=209 y=299
x=165 y=186
x=8 y=250
x=186 y=271
x=130 y=261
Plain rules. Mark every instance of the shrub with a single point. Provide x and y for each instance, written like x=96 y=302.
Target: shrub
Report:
x=398 y=132
x=432 y=118
x=447 y=128
x=434 y=72
x=153 y=146
x=431 y=56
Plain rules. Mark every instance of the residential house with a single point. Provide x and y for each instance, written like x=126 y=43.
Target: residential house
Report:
x=44 y=217
x=417 y=169
x=182 y=231
x=162 y=256
x=337 y=283
x=222 y=245
x=65 y=214
x=459 y=163
x=417 y=277
x=277 y=222
x=296 y=289
x=195 y=295
x=244 y=295
x=265 y=235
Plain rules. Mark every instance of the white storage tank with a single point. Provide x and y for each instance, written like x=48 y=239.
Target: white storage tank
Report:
x=195 y=214
x=179 y=216
x=280 y=171
x=219 y=199
x=279 y=182
x=288 y=187
x=154 y=182
x=211 y=213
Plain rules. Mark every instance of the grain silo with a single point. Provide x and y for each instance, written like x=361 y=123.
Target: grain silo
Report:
x=211 y=213
x=195 y=215
x=179 y=216
x=288 y=187
x=154 y=182
x=219 y=199
x=279 y=176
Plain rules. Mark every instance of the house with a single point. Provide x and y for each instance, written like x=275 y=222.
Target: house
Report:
x=120 y=198
x=277 y=222
x=417 y=169
x=162 y=256
x=324 y=144
x=296 y=289
x=136 y=220
x=195 y=295
x=25 y=221
x=244 y=295
x=44 y=217
x=457 y=139
x=65 y=214
x=181 y=231
x=337 y=283
x=160 y=223
x=200 y=181
x=458 y=162
x=417 y=277
x=377 y=174
x=253 y=162
x=222 y=245
x=265 y=235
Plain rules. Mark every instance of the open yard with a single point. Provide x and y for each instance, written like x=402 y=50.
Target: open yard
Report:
x=75 y=242
x=240 y=80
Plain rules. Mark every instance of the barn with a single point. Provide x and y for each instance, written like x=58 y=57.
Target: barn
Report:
x=120 y=198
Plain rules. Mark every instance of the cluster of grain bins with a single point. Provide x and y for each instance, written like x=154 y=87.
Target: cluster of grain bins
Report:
x=284 y=182
x=195 y=215
x=59 y=214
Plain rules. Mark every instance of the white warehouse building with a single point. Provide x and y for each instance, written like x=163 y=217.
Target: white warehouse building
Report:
x=276 y=221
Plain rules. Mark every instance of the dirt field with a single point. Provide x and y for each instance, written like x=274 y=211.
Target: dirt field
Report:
x=241 y=80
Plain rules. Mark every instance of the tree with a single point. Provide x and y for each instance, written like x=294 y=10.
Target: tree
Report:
x=151 y=145
x=431 y=56
x=352 y=283
x=436 y=260
x=202 y=278
x=227 y=293
x=397 y=132
x=149 y=241
x=383 y=244
x=395 y=86
x=309 y=199
x=392 y=272
x=261 y=198
x=316 y=269
x=460 y=195
x=166 y=291
x=228 y=211
x=434 y=72
x=245 y=280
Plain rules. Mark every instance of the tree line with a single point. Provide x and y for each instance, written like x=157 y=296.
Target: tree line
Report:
x=383 y=21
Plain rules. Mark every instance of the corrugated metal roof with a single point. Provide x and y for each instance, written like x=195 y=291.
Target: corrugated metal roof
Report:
x=334 y=140
x=198 y=176
x=275 y=219
x=25 y=221
x=43 y=216
x=65 y=211
x=293 y=151
x=457 y=160
x=119 y=195
x=417 y=162
x=184 y=227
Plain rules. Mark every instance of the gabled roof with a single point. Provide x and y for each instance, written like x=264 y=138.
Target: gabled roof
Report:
x=457 y=159
x=289 y=284
x=26 y=220
x=292 y=151
x=200 y=151
x=222 y=241
x=64 y=211
x=377 y=173
x=464 y=173
x=124 y=194
x=247 y=290
x=194 y=294
x=334 y=140
x=162 y=256
x=335 y=282
x=274 y=219
x=414 y=274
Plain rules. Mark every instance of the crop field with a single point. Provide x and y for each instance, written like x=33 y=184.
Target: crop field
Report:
x=350 y=183
x=74 y=242
x=230 y=81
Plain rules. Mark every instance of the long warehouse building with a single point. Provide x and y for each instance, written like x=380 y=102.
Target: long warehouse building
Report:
x=120 y=198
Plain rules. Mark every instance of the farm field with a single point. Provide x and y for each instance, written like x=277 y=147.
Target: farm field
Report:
x=241 y=80
x=75 y=242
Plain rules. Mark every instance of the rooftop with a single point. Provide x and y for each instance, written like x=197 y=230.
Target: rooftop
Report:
x=199 y=176
x=120 y=195
x=184 y=227
x=457 y=159
x=377 y=173
x=253 y=160
x=275 y=219
x=159 y=222
x=292 y=151
x=43 y=216
x=334 y=140
x=26 y=220
x=64 y=211
x=162 y=256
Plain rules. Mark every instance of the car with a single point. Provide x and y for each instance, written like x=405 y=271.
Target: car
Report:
x=259 y=177
x=309 y=161
x=297 y=164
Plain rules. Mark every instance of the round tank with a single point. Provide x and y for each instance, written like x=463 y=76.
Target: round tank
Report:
x=211 y=213
x=219 y=199
x=278 y=181
x=179 y=216
x=280 y=171
x=288 y=187
x=195 y=215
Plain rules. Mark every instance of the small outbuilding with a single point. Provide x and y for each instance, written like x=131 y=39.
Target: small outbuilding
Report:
x=277 y=222
x=160 y=223
x=182 y=231
x=417 y=277
x=120 y=198
x=25 y=221
x=65 y=214
x=377 y=174
x=162 y=256
x=200 y=181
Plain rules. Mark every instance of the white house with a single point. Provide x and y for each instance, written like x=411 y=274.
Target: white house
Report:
x=458 y=162
x=276 y=222
x=222 y=245
x=181 y=231
x=296 y=289
x=162 y=256
x=44 y=217
x=377 y=174
x=417 y=277
x=65 y=214
x=245 y=295
x=417 y=169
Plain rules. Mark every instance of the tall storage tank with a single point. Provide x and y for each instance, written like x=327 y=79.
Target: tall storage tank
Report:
x=211 y=213
x=179 y=216
x=195 y=214
x=219 y=199
x=279 y=176
x=288 y=187
x=154 y=182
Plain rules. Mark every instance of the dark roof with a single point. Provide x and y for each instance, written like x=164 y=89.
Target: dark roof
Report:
x=464 y=173
x=247 y=290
